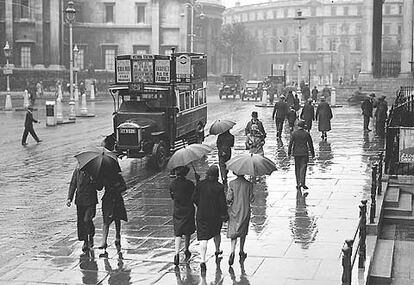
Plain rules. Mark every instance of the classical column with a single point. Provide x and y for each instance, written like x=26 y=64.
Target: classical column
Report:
x=37 y=7
x=407 y=39
x=366 y=50
x=377 y=39
x=9 y=23
x=155 y=25
x=55 y=29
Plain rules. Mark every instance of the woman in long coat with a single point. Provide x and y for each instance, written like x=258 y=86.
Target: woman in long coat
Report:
x=308 y=114
x=239 y=197
x=211 y=212
x=113 y=209
x=324 y=116
x=181 y=191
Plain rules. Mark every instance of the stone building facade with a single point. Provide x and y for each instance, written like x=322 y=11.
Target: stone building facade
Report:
x=331 y=37
x=39 y=36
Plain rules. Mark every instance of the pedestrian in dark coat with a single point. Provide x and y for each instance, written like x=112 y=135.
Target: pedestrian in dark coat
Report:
x=306 y=92
x=280 y=111
x=326 y=92
x=324 y=116
x=254 y=121
x=381 y=116
x=113 y=208
x=315 y=92
x=28 y=127
x=308 y=114
x=181 y=191
x=86 y=199
x=296 y=103
x=300 y=146
x=225 y=142
x=291 y=116
x=211 y=205
x=290 y=99
x=367 y=106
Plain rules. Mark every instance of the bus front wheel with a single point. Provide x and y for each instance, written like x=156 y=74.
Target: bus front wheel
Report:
x=159 y=155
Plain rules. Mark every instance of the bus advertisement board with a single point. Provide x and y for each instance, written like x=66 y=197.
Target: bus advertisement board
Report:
x=162 y=71
x=123 y=71
x=143 y=70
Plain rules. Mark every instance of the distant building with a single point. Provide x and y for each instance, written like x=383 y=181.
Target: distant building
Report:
x=331 y=40
x=39 y=37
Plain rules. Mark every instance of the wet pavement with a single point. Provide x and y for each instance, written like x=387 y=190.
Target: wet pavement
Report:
x=292 y=239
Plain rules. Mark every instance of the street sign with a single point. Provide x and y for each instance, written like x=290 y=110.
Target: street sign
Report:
x=278 y=67
x=300 y=64
x=7 y=71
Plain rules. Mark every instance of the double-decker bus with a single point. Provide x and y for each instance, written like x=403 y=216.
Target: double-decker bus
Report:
x=159 y=104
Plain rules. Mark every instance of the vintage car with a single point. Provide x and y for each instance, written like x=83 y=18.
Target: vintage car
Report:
x=159 y=105
x=232 y=86
x=253 y=90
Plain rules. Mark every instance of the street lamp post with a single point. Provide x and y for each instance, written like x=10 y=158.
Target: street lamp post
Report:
x=193 y=5
x=70 y=13
x=7 y=71
x=76 y=68
x=299 y=18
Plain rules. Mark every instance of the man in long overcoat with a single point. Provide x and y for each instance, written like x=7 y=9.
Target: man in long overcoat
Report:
x=324 y=116
x=315 y=92
x=300 y=146
x=86 y=199
x=280 y=112
x=308 y=114
x=306 y=92
x=367 y=107
x=381 y=116
x=225 y=142
x=28 y=126
x=326 y=92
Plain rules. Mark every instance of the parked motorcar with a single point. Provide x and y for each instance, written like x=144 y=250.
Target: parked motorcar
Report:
x=253 y=90
x=232 y=86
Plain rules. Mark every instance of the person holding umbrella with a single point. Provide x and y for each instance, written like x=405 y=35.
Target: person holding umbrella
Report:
x=85 y=186
x=211 y=205
x=225 y=141
x=113 y=208
x=299 y=146
x=239 y=196
x=181 y=191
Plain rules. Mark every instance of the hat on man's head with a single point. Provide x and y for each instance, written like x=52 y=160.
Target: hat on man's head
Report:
x=372 y=95
x=323 y=99
x=301 y=124
x=254 y=114
x=213 y=171
x=30 y=108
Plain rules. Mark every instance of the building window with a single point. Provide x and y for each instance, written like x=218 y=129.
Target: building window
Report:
x=400 y=8
x=346 y=11
x=358 y=44
x=387 y=29
x=332 y=29
x=138 y=49
x=285 y=13
x=24 y=9
x=399 y=29
x=387 y=9
x=140 y=13
x=109 y=12
x=359 y=10
x=332 y=45
x=109 y=57
x=274 y=14
x=25 y=57
x=80 y=59
x=333 y=11
x=313 y=11
x=264 y=15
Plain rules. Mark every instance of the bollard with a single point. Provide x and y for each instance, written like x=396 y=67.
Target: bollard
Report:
x=60 y=94
x=8 y=106
x=84 y=107
x=379 y=181
x=373 y=195
x=264 y=97
x=346 y=262
x=59 y=112
x=76 y=93
x=333 y=97
x=50 y=113
x=72 y=113
x=362 y=233
x=26 y=101
x=92 y=91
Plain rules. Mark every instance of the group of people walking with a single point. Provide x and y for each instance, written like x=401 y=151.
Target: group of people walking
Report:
x=213 y=206
x=381 y=108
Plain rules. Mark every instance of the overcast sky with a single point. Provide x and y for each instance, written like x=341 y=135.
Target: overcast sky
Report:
x=230 y=3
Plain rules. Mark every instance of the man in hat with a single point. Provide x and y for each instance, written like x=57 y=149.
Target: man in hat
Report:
x=257 y=122
x=225 y=141
x=28 y=126
x=381 y=116
x=299 y=146
x=280 y=111
x=367 y=107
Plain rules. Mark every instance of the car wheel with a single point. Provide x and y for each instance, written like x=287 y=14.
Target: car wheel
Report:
x=159 y=155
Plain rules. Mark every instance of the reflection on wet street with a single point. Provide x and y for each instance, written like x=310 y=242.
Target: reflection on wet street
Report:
x=293 y=238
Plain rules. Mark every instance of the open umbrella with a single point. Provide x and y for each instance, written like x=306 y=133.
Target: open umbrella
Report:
x=187 y=155
x=251 y=164
x=98 y=162
x=220 y=126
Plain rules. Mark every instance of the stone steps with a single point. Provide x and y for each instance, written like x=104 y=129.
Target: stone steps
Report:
x=398 y=206
x=381 y=267
x=405 y=207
